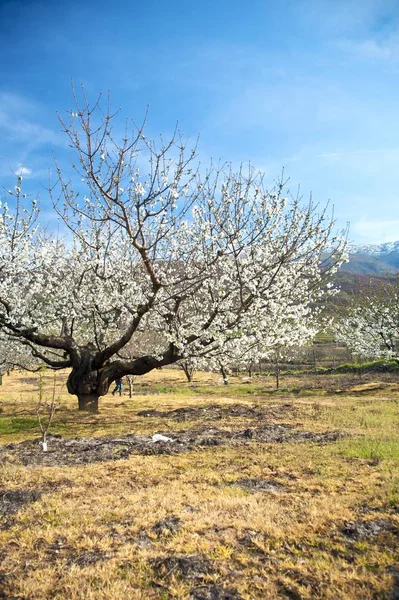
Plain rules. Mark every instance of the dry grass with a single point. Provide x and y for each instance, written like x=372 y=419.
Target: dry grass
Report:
x=326 y=527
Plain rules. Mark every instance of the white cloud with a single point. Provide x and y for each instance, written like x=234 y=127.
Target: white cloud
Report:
x=22 y=171
x=28 y=134
x=372 y=49
x=23 y=129
x=374 y=231
x=23 y=121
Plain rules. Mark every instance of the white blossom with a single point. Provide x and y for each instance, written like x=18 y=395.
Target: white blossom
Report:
x=232 y=270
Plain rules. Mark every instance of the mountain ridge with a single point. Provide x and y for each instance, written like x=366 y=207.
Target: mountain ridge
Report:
x=374 y=249
x=373 y=259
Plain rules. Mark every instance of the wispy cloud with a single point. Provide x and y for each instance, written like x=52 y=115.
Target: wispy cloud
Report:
x=25 y=121
x=372 y=231
x=27 y=137
x=385 y=49
x=21 y=120
x=357 y=152
x=22 y=171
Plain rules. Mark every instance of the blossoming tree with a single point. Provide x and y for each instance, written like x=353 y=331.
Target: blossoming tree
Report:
x=191 y=259
x=370 y=328
x=286 y=327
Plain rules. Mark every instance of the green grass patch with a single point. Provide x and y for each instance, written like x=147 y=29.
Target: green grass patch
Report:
x=375 y=366
x=10 y=425
x=369 y=447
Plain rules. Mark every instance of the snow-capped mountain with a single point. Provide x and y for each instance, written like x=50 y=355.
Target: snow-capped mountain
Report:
x=375 y=249
x=373 y=259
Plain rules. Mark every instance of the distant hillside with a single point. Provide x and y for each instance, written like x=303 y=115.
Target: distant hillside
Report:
x=379 y=259
x=357 y=283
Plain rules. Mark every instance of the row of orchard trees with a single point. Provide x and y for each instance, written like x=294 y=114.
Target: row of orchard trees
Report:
x=369 y=325
x=160 y=263
x=283 y=337
x=366 y=322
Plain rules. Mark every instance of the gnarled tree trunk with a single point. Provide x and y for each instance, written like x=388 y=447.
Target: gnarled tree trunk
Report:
x=87 y=382
x=91 y=375
x=88 y=403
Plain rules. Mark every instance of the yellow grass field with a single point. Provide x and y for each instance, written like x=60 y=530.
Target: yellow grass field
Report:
x=221 y=513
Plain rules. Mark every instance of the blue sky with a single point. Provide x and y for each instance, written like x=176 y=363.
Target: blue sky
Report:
x=308 y=85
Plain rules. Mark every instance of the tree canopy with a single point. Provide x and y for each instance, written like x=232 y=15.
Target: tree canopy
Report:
x=370 y=324
x=159 y=254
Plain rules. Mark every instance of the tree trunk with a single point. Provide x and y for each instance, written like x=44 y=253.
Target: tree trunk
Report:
x=86 y=382
x=189 y=374
x=90 y=378
x=188 y=370
x=88 y=403
x=130 y=380
x=224 y=375
x=277 y=377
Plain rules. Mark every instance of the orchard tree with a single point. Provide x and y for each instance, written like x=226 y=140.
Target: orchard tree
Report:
x=189 y=365
x=370 y=326
x=281 y=331
x=158 y=245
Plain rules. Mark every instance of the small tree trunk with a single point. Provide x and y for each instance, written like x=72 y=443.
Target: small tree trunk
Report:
x=188 y=371
x=224 y=375
x=130 y=384
x=277 y=377
x=88 y=403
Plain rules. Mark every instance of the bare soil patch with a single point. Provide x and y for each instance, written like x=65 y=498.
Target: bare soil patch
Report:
x=217 y=412
x=83 y=559
x=86 y=450
x=194 y=567
x=167 y=526
x=214 y=592
x=260 y=485
x=11 y=501
x=60 y=549
x=197 y=570
x=360 y=530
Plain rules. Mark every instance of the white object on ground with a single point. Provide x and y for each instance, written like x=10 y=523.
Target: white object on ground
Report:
x=161 y=438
